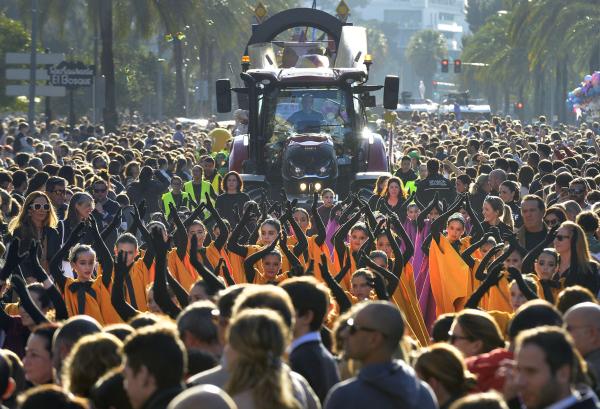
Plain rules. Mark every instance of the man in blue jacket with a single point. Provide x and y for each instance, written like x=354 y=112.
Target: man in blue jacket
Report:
x=372 y=337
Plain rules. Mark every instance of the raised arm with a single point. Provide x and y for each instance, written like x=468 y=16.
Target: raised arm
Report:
x=232 y=243
x=296 y=268
x=319 y=225
x=491 y=279
x=467 y=254
x=226 y=273
x=425 y=212
x=25 y=297
x=302 y=243
x=392 y=279
x=438 y=224
x=180 y=237
x=476 y=229
x=514 y=274
x=223 y=232
x=409 y=247
x=336 y=290
x=38 y=272
x=485 y=261
x=161 y=294
x=12 y=261
x=114 y=224
x=103 y=254
x=212 y=281
x=341 y=234
x=117 y=295
x=255 y=258
x=529 y=259
x=55 y=265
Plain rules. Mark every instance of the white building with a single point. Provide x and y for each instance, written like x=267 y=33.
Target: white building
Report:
x=410 y=16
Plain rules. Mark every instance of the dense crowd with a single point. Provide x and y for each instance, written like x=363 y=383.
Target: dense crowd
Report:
x=138 y=273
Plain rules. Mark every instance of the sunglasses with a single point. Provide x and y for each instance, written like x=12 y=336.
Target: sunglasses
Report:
x=576 y=191
x=353 y=328
x=100 y=190
x=59 y=191
x=561 y=237
x=452 y=338
x=551 y=222
x=39 y=206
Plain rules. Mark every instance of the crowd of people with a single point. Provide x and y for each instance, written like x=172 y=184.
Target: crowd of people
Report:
x=137 y=272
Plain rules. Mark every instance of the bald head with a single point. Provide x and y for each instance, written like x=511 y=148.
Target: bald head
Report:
x=386 y=318
x=583 y=323
x=203 y=396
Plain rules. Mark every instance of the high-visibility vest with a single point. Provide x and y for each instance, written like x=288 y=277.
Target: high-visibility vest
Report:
x=215 y=182
x=204 y=190
x=167 y=199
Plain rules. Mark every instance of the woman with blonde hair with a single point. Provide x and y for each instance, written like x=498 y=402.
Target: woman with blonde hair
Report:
x=91 y=358
x=37 y=221
x=443 y=368
x=256 y=342
x=576 y=266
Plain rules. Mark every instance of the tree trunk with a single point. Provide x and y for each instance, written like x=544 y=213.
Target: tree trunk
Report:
x=109 y=113
x=179 y=85
x=506 y=100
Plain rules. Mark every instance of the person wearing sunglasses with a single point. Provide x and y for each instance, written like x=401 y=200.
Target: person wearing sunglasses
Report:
x=106 y=208
x=577 y=267
x=56 y=189
x=36 y=221
x=475 y=332
x=372 y=337
x=578 y=190
x=554 y=216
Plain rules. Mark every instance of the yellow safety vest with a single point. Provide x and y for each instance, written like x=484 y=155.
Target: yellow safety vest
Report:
x=215 y=182
x=168 y=198
x=205 y=189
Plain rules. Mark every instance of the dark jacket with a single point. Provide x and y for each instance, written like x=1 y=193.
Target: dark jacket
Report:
x=428 y=187
x=148 y=190
x=162 y=398
x=391 y=385
x=313 y=361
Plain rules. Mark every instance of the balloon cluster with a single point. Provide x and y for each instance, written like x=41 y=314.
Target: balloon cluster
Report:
x=587 y=96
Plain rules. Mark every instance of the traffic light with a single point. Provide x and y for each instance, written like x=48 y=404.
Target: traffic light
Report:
x=519 y=106
x=445 y=65
x=457 y=66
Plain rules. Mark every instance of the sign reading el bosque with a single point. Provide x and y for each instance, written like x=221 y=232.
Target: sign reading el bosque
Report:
x=72 y=74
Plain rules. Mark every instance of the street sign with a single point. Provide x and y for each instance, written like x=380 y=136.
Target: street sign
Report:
x=342 y=10
x=23 y=74
x=40 y=91
x=40 y=59
x=260 y=11
x=71 y=74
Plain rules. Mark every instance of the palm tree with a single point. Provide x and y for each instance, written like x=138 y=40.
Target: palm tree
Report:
x=425 y=50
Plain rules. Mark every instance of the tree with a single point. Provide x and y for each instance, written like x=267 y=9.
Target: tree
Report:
x=424 y=51
x=478 y=11
x=13 y=38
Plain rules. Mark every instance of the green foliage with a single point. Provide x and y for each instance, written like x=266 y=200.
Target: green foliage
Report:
x=424 y=51
x=478 y=11
x=13 y=38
